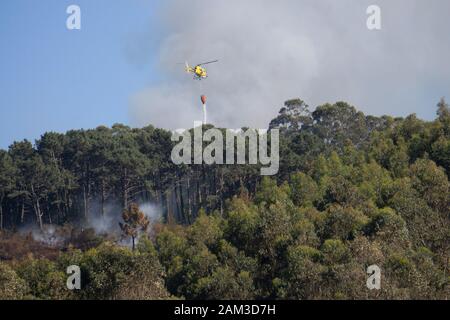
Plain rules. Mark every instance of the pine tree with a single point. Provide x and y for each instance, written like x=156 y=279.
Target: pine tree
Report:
x=135 y=222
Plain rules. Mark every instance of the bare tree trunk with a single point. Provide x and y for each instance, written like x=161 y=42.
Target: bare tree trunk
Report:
x=49 y=212
x=103 y=198
x=87 y=192
x=125 y=197
x=169 y=214
x=1 y=213
x=39 y=214
x=221 y=184
x=22 y=212
x=66 y=204
x=182 y=202
x=126 y=184
x=163 y=203
x=159 y=200
x=202 y=185
x=179 y=199
x=189 y=200
x=199 y=196
x=86 y=209
x=60 y=213
x=37 y=207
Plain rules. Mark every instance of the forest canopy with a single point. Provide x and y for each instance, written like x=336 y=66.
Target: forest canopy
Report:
x=353 y=190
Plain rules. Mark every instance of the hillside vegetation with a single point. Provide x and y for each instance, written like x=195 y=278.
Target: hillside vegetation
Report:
x=352 y=191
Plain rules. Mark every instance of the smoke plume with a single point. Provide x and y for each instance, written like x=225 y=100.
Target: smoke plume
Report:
x=270 y=51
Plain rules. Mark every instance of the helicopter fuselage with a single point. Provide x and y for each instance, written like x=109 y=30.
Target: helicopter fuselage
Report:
x=200 y=72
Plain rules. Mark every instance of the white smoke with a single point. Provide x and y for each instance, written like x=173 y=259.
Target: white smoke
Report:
x=50 y=235
x=320 y=51
x=106 y=224
x=151 y=211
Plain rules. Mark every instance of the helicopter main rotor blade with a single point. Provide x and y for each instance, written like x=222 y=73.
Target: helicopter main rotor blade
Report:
x=201 y=64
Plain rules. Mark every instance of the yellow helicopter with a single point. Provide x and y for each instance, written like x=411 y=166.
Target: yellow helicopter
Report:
x=198 y=71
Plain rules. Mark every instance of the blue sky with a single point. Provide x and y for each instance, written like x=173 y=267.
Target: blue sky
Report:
x=53 y=79
x=121 y=67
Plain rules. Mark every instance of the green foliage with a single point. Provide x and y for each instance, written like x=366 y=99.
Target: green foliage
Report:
x=44 y=279
x=352 y=191
x=304 y=190
x=12 y=287
x=242 y=222
x=343 y=222
x=224 y=284
x=292 y=116
x=432 y=184
x=303 y=275
x=112 y=272
x=335 y=252
x=207 y=230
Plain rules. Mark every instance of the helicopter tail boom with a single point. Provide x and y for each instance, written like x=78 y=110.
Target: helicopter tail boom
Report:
x=187 y=67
